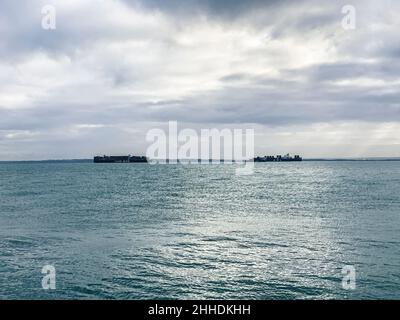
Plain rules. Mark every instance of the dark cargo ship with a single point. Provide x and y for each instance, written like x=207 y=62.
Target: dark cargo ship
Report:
x=279 y=158
x=120 y=159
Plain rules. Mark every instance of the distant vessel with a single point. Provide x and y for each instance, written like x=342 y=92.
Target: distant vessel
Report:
x=143 y=159
x=279 y=158
x=120 y=159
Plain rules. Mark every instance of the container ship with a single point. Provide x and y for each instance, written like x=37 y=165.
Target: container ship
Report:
x=279 y=158
x=120 y=159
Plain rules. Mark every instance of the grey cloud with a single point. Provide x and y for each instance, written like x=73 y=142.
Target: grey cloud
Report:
x=384 y=69
x=228 y=8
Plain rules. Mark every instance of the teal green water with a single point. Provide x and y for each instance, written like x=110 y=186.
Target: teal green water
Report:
x=137 y=231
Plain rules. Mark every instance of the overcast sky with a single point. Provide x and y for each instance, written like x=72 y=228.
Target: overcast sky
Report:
x=114 y=69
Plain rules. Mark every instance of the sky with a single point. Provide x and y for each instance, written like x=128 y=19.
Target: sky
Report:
x=114 y=69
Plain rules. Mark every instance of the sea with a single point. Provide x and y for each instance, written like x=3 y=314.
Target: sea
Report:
x=305 y=230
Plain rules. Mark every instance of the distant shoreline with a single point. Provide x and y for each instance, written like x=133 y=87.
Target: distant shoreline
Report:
x=308 y=160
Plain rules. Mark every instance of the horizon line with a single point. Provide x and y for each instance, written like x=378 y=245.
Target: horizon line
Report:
x=391 y=158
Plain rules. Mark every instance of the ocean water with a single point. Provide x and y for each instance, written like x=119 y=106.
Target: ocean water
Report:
x=138 y=231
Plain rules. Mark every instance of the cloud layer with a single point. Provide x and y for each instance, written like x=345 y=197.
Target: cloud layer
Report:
x=114 y=69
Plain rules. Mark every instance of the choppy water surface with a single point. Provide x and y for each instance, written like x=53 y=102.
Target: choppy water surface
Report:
x=137 y=231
